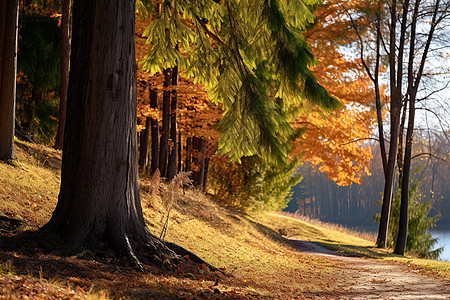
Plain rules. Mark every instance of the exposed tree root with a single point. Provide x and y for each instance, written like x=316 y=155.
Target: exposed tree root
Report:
x=193 y=257
x=9 y=225
x=150 y=250
x=130 y=253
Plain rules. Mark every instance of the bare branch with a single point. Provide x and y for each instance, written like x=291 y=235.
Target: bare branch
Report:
x=434 y=92
x=360 y=139
x=431 y=155
x=361 y=45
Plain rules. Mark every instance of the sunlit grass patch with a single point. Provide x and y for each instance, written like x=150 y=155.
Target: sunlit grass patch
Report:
x=264 y=261
x=295 y=228
x=29 y=188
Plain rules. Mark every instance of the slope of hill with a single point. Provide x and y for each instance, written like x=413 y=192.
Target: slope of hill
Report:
x=256 y=251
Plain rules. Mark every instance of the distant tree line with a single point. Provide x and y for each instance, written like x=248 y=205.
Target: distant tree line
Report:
x=356 y=205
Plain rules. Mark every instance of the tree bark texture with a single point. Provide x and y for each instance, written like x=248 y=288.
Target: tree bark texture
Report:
x=400 y=245
x=172 y=163
x=9 y=13
x=165 y=130
x=389 y=180
x=155 y=132
x=99 y=204
x=65 y=63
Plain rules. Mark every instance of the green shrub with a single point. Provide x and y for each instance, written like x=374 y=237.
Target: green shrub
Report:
x=253 y=184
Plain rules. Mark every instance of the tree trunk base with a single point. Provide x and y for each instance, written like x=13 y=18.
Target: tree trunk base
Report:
x=136 y=250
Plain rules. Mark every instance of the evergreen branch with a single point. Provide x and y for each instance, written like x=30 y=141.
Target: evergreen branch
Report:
x=235 y=52
x=211 y=34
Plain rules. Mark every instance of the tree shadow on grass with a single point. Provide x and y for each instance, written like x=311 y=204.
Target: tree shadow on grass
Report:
x=29 y=254
x=46 y=156
x=359 y=251
x=269 y=232
x=326 y=246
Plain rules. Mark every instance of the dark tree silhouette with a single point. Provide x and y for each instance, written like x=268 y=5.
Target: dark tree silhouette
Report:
x=8 y=70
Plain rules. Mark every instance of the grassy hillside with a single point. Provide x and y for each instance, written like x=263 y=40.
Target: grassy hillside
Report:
x=254 y=249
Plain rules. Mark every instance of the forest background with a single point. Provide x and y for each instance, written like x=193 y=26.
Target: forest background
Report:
x=336 y=144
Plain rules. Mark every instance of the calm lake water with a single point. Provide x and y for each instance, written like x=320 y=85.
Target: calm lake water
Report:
x=444 y=241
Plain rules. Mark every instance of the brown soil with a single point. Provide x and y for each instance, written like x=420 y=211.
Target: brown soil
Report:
x=363 y=278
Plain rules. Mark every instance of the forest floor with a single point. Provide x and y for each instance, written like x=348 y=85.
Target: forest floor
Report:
x=265 y=256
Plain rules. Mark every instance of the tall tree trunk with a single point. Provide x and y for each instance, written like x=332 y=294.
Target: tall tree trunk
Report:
x=396 y=83
x=198 y=146
x=65 y=63
x=403 y=220
x=205 y=174
x=9 y=16
x=165 y=130
x=188 y=154
x=172 y=164
x=180 y=150
x=99 y=204
x=400 y=148
x=413 y=84
x=143 y=142
x=378 y=95
x=389 y=180
x=155 y=132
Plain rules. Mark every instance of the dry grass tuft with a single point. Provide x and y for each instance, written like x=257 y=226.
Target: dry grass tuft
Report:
x=175 y=189
x=171 y=194
x=29 y=188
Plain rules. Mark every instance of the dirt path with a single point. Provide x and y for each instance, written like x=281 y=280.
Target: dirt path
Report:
x=373 y=279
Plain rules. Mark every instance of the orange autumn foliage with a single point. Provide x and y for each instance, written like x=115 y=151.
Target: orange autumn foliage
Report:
x=196 y=114
x=335 y=142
